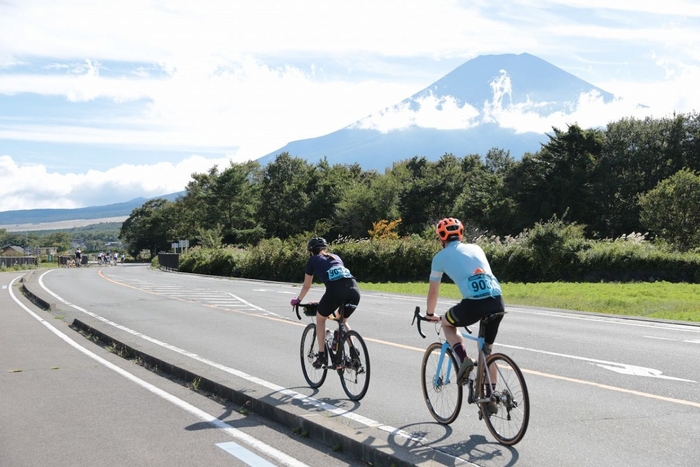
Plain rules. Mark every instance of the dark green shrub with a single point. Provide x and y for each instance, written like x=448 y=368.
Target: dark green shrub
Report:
x=552 y=251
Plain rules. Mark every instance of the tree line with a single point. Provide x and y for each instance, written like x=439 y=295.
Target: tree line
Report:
x=634 y=175
x=90 y=238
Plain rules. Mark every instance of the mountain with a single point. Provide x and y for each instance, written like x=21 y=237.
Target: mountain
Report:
x=468 y=111
x=41 y=216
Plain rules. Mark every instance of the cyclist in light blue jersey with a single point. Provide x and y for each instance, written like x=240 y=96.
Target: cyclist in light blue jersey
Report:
x=341 y=288
x=467 y=266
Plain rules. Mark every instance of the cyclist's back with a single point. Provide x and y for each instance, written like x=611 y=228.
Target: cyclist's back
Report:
x=468 y=267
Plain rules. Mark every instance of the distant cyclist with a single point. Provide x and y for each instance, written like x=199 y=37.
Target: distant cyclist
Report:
x=341 y=287
x=467 y=266
x=78 y=256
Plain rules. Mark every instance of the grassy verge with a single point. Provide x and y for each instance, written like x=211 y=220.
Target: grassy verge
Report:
x=662 y=300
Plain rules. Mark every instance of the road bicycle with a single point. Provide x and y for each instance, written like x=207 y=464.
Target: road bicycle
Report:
x=497 y=386
x=346 y=350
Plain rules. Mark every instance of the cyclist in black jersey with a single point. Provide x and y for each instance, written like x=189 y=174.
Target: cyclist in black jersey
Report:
x=341 y=288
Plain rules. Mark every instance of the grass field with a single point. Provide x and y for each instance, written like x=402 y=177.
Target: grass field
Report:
x=662 y=300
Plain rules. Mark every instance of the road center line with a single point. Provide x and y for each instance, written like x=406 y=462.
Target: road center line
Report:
x=341 y=412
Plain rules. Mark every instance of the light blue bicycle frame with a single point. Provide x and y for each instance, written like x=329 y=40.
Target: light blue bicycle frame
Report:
x=443 y=352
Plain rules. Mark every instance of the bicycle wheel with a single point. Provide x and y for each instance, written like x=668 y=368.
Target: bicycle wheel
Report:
x=354 y=370
x=508 y=412
x=309 y=351
x=442 y=394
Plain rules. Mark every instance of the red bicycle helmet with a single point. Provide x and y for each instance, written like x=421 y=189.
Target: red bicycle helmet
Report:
x=450 y=229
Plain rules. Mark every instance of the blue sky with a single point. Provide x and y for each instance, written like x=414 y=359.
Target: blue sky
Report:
x=102 y=102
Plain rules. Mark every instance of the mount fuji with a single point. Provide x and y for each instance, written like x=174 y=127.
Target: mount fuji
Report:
x=492 y=101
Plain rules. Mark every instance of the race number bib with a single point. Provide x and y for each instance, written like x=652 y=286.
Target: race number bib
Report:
x=339 y=272
x=483 y=286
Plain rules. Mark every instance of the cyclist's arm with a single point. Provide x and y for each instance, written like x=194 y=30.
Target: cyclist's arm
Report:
x=305 y=287
x=433 y=292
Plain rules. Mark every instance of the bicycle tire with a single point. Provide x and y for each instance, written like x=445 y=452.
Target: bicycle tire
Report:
x=309 y=352
x=354 y=370
x=512 y=400
x=441 y=393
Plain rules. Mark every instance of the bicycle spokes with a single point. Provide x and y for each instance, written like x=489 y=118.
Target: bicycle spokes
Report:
x=506 y=404
x=354 y=365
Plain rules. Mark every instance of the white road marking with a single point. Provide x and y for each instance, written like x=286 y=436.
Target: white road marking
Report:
x=306 y=400
x=353 y=416
x=238 y=451
x=623 y=368
x=255 y=307
x=280 y=456
x=611 y=319
x=687 y=341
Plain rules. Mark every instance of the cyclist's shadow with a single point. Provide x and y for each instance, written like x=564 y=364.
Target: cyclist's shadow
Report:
x=476 y=449
x=311 y=401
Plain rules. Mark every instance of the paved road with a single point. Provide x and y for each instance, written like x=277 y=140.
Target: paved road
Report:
x=68 y=402
x=604 y=391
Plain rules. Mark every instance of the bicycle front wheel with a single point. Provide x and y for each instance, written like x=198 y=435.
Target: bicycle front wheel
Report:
x=309 y=352
x=508 y=411
x=442 y=394
x=354 y=368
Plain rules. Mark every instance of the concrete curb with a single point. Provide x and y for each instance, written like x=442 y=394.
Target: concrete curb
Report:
x=371 y=444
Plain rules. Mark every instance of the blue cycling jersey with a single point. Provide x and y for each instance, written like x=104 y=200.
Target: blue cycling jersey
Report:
x=467 y=266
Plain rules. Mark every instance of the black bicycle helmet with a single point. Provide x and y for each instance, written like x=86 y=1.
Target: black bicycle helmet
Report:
x=316 y=244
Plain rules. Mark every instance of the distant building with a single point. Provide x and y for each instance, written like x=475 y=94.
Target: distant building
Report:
x=12 y=251
x=43 y=250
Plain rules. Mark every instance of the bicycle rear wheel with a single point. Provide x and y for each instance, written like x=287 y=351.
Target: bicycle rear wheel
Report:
x=442 y=394
x=354 y=368
x=508 y=412
x=309 y=352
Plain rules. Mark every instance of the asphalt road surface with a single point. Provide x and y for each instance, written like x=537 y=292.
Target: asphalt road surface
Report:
x=603 y=390
x=67 y=402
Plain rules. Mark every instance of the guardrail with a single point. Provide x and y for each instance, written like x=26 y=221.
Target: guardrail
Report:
x=9 y=261
x=169 y=261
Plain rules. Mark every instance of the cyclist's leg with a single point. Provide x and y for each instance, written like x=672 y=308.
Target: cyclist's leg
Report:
x=326 y=306
x=349 y=293
x=492 y=305
x=462 y=314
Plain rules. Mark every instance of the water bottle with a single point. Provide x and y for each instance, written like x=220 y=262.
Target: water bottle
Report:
x=334 y=346
x=329 y=338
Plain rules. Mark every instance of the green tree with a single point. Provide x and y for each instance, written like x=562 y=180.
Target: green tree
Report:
x=235 y=200
x=427 y=190
x=149 y=227
x=284 y=210
x=670 y=210
x=61 y=240
x=373 y=198
x=556 y=181
x=636 y=156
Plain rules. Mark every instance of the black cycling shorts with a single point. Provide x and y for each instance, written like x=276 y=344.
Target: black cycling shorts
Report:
x=337 y=293
x=468 y=312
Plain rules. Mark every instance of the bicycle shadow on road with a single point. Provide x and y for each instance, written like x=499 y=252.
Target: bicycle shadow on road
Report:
x=311 y=401
x=429 y=439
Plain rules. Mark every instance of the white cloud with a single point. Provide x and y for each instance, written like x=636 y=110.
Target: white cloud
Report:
x=432 y=112
x=246 y=78
x=445 y=113
x=32 y=187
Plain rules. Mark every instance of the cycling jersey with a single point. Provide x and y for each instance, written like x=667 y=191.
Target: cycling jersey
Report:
x=467 y=266
x=328 y=268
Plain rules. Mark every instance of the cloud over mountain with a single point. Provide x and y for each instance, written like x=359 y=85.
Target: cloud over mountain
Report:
x=506 y=101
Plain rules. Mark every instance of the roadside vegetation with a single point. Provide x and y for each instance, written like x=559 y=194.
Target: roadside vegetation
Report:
x=657 y=300
x=605 y=215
